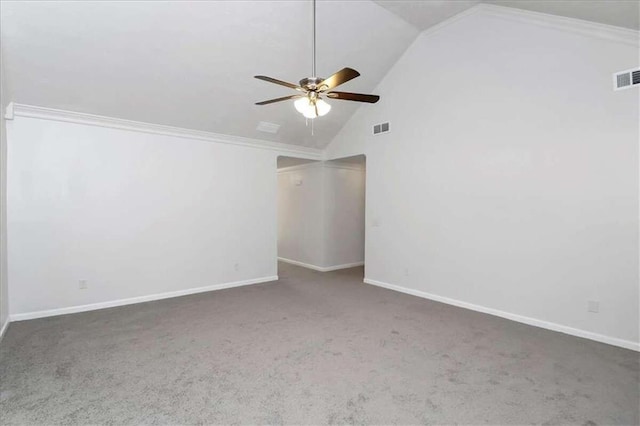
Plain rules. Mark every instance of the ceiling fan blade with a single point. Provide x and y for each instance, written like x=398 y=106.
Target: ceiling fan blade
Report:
x=342 y=76
x=285 y=98
x=280 y=82
x=358 y=97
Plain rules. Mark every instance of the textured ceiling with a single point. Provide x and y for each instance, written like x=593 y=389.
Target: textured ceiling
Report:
x=424 y=14
x=191 y=64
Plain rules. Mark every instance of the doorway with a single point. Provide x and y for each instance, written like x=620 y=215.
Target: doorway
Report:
x=321 y=213
x=299 y=214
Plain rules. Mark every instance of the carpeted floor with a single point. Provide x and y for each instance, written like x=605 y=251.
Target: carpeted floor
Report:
x=312 y=348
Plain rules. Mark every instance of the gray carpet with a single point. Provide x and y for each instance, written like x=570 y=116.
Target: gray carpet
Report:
x=312 y=348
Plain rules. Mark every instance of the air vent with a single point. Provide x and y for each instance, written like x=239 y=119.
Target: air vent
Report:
x=626 y=79
x=267 y=127
x=381 y=128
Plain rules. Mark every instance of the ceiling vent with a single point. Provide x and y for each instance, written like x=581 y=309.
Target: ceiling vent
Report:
x=381 y=128
x=267 y=127
x=626 y=79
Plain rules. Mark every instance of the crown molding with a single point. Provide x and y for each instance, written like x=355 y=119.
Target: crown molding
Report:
x=441 y=25
x=563 y=23
x=321 y=165
x=298 y=167
x=19 y=110
x=345 y=166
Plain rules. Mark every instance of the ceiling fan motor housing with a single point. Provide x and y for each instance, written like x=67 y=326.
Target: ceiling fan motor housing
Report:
x=311 y=83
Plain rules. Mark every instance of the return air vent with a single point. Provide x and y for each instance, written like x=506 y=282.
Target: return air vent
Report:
x=381 y=128
x=267 y=127
x=626 y=79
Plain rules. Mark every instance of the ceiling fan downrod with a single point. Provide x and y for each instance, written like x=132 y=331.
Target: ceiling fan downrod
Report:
x=313 y=60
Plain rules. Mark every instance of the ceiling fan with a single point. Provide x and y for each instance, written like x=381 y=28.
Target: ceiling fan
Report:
x=310 y=103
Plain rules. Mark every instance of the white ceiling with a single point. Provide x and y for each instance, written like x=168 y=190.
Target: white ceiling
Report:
x=427 y=13
x=191 y=64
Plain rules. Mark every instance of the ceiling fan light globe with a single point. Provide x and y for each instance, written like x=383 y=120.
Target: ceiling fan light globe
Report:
x=323 y=107
x=310 y=113
x=302 y=105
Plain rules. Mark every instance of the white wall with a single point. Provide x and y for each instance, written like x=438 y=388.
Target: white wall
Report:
x=4 y=291
x=509 y=180
x=134 y=214
x=300 y=214
x=344 y=213
x=321 y=214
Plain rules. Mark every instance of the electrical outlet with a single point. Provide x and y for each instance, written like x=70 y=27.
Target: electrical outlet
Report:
x=593 y=306
x=406 y=272
x=82 y=284
x=236 y=266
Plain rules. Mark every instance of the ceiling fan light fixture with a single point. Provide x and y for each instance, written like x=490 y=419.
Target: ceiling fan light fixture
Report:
x=312 y=108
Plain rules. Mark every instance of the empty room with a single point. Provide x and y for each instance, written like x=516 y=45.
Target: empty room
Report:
x=315 y=212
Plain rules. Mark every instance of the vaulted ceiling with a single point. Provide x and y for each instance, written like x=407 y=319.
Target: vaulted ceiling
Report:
x=424 y=14
x=191 y=64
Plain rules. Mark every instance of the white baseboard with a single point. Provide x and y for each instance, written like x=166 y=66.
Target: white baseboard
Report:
x=140 y=299
x=4 y=328
x=627 y=344
x=344 y=266
x=320 y=268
